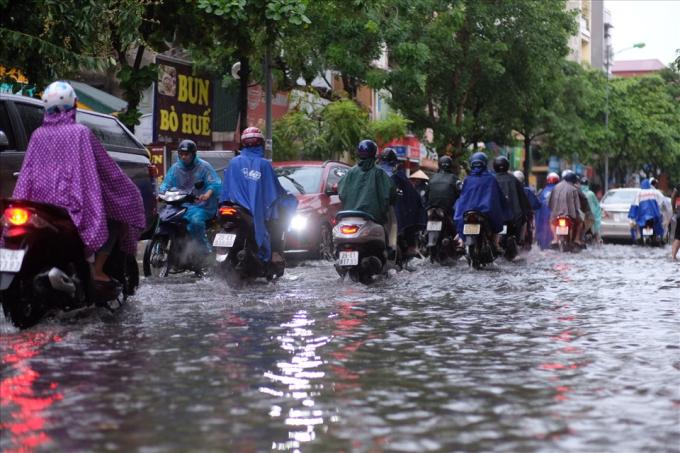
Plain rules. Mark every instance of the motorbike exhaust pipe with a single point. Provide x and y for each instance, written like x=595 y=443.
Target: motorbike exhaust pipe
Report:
x=61 y=282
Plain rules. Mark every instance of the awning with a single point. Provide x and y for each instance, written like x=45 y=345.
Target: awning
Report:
x=91 y=98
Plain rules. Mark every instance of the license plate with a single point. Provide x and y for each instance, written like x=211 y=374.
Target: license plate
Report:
x=562 y=231
x=220 y=257
x=472 y=228
x=224 y=240
x=620 y=217
x=434 y=225
x=10 y=260
x=504 y=230
x=647 y=231
x=348 y=258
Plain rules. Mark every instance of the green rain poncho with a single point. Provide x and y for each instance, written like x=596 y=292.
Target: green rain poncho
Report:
x=594 y=207
x=367 y=188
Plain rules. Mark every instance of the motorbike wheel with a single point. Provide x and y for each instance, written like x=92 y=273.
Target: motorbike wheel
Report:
x=20 y=306
x=326 y=248
x=157 y=257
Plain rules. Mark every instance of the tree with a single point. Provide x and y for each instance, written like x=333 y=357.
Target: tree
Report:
x=394 y=126
x=450 y=64
x=50 y=39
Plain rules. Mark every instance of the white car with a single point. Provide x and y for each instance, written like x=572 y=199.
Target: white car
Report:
x=615 y=206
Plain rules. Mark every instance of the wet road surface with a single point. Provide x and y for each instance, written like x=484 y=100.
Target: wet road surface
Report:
x=553 y=353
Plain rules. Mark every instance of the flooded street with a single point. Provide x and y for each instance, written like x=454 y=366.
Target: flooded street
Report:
x=553 y=353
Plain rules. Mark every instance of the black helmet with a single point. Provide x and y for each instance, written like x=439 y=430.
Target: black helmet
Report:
x=478 y=160
x=584 y=181
x=654 y=182
x=501 y=164
x=366 y=149
x=187 y=146
x=389 y=156
x=446 y=164
x=570 y=177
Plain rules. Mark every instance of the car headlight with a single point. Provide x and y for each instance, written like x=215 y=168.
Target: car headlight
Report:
x=298 y=222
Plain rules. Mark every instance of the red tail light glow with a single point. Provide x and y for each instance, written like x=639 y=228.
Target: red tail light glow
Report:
x=563 y=222
x=228 y=211
x=349 y=229
x=17 y=216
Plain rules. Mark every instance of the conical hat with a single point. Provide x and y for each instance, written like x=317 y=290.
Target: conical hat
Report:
x=419 y=175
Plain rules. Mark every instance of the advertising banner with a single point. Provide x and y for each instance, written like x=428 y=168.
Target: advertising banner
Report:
x=158 y=160
x=183 y=105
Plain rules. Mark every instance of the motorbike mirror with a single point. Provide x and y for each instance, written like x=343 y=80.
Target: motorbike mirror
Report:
x=199 y=185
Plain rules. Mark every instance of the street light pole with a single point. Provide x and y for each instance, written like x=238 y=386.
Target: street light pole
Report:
x=268 y=149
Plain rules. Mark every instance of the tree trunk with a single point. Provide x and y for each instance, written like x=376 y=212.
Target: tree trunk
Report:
x=527 y=158
x=243 y=94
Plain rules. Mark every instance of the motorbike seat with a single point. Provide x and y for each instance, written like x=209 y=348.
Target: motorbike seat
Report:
x=349 y=213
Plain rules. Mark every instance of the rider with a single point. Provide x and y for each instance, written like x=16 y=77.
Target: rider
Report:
x=647 y=206
x=482 y=193
x=675 y=202
x=444 y=188
x=67 y=166
x=514 y=192
x=564 y=201
x=411 y=216
x=369 y=189
x=535 y=206
x=543 y=232
x=250 y=182
x=193 y=174
x=594 y=207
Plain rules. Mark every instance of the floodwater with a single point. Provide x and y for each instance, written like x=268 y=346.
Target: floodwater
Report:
x=552 y=353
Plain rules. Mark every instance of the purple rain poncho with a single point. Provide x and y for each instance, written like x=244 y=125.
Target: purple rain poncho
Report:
x=65 y=165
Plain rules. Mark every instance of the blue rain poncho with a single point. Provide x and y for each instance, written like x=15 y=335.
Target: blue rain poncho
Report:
x=482 y=193
x=647 y=206
x=543 y=232
x=250 y=182
x=184 y=176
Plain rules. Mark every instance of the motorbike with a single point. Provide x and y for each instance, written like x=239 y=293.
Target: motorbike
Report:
x=564 y=234
x=171 y=249
x=360 y=247
x=236 y=250
x=441 y=244
x=647 y=235
x=479 y=247
x=43 y=267
x=509 y=241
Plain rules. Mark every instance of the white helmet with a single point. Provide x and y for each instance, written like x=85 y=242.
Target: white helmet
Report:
x=59 y=97
x=519 y=175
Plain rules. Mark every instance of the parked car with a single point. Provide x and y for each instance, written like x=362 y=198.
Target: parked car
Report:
x=615 y=206
x=21 y=115
x=310 y=231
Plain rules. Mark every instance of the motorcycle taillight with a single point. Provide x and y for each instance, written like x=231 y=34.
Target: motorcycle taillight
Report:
x=228 y=211
x=349 y=229
x=563 y=222
x=472 y=218
x=16 y=216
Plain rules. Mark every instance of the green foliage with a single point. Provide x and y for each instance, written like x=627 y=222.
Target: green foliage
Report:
x=394 y=126
x=344 y=125
x=295 y=136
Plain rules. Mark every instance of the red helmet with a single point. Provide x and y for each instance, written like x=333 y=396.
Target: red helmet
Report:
x=553 y=178
x=252 y=136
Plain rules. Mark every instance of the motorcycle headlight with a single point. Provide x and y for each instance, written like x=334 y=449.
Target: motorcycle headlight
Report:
x=299 y=222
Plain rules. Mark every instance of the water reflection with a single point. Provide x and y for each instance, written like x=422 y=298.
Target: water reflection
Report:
x=295 y=383
x=24 y=397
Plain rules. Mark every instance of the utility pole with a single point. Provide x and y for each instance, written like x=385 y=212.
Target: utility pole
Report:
x=607 y=63
x=268 y=148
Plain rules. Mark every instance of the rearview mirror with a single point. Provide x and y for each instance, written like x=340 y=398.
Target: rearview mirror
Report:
x=332 y=190
x=4 y=141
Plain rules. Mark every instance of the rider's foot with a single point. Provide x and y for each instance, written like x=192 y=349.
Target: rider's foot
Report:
x=277 y=258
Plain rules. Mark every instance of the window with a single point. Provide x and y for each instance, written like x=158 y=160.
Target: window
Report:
x=300 y=180
x=109 y=132
x=620 y=197
x=31 y=117
x=6 y=127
